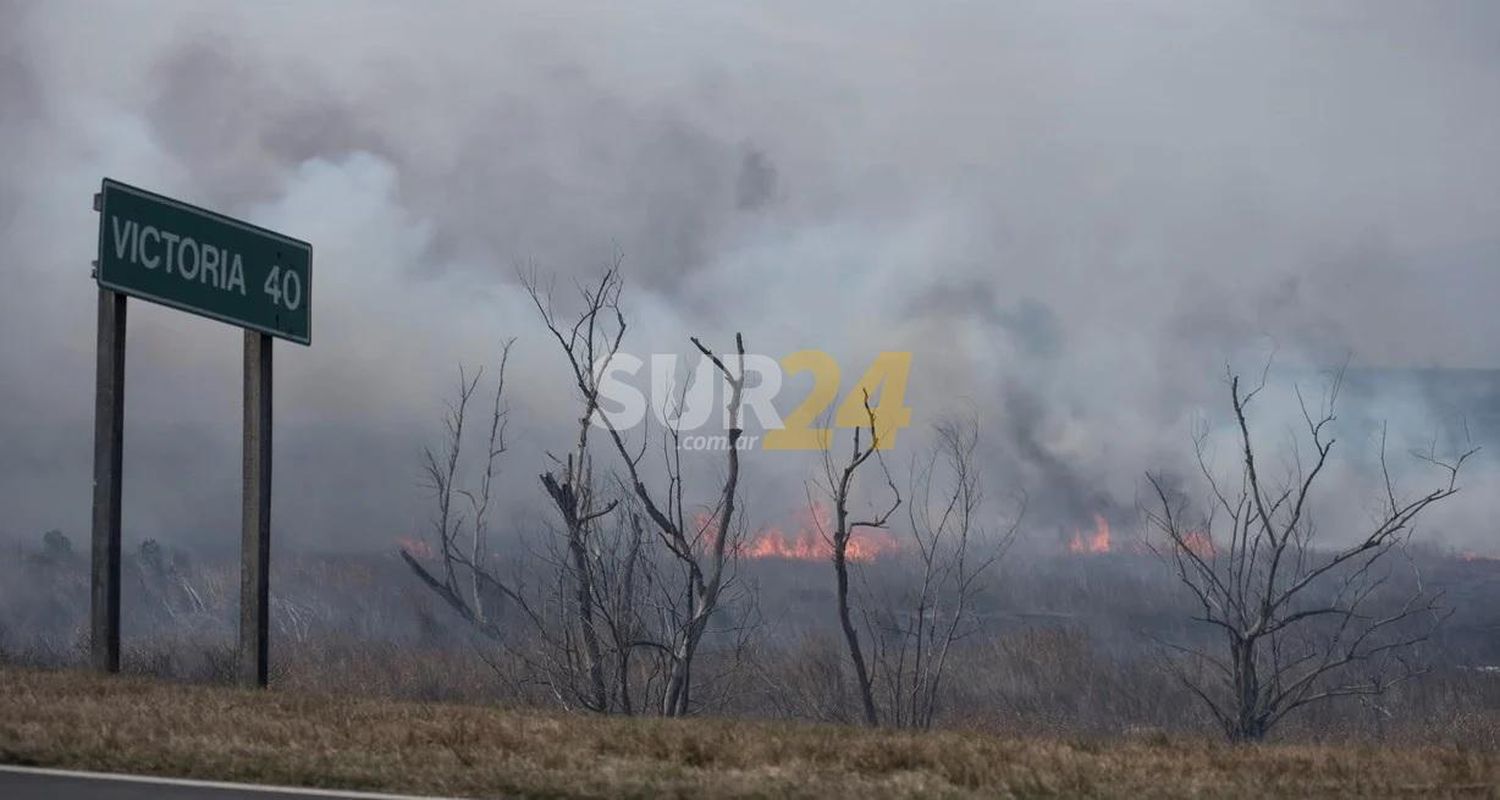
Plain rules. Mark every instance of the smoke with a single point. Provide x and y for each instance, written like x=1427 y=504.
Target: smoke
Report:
x=1074 y=215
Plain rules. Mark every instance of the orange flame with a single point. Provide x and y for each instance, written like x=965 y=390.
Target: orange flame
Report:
x=809 y=544
x=1096 y=542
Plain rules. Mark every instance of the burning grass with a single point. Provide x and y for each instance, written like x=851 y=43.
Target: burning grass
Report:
x=809 y=540
x=76 y=720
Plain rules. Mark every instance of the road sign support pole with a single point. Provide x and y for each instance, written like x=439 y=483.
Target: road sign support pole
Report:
x=255 y=541
x=109 y=440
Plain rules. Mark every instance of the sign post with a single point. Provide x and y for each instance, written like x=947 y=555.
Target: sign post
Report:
x=189 y=258
x=255 y=533
x=109 y=423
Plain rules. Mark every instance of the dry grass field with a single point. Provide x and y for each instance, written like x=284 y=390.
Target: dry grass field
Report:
x=76 y=720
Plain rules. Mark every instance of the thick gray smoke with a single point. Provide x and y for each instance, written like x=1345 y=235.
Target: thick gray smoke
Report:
x=1073 y=214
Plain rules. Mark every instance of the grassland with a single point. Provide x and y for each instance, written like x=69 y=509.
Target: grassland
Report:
x=80 y=721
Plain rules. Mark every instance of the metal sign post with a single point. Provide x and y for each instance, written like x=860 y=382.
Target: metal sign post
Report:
x=189 y=258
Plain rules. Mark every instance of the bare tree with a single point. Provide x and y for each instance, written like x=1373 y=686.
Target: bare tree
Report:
x=594 y=335
x=838 y=485
x=619 y=567
x=1297 y=624
x=569 y=628
x=699 y=545
x=462 y=537
x=953 y=554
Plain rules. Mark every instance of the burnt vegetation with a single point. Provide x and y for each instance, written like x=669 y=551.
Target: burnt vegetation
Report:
x=909 y=599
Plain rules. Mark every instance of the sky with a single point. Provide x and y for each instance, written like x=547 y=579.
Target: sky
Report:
x=1075 y=216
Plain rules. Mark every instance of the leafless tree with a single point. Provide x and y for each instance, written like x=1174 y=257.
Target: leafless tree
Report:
x=838 y=485
x=462 y=535
x=1297 y=624
x=559 y=641
x=699 y=545
x=702 y=545
x=594 y=335
x=953 y=554
x=619 y=568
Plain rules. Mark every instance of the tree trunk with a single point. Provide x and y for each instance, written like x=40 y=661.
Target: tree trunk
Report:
x=1248 y=723
x=592 y=653
x=861 y=672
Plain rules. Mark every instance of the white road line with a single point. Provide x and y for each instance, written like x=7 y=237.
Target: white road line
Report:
x=196 y=784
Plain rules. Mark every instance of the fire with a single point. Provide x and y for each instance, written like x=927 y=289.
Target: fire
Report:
x=1102 y=540
x=1199 y=544
x=866 y=545
x=1096 y=542
x=774 y=543
x=808 y=542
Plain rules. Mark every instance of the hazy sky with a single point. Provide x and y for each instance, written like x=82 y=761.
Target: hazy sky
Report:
x=1073 y=214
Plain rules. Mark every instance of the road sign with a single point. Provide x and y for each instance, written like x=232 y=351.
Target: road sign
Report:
x=158 y=249
x=169 y=252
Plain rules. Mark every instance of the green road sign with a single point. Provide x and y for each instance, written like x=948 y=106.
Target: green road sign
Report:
x=159 y=249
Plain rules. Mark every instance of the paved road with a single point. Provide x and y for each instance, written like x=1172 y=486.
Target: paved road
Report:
x=25 y=783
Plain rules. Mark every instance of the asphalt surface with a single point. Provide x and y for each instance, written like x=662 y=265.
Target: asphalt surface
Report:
x=22 y=783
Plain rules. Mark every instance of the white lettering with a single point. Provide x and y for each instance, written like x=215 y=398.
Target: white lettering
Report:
x=171 y=240
x=716 y=442
x=124 y=237
x=632 y=404
x=684 y=407
x=182 y=265
x=272 y=288
x=148 y=261
x=291 y=290
x=759 y=396
x=210 y=265
x=236 y=275
x=223 y=269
